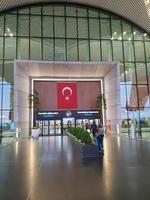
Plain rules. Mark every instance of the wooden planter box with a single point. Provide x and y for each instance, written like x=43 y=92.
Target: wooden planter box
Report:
x=90 y=151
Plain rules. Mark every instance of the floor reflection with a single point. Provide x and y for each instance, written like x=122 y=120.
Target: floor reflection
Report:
x=7 y=137
x=53 y=168
x=5 y=140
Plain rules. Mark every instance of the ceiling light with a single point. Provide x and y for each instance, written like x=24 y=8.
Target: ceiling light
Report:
x=120 y=38
x=145 y=34
x=129 y=38
x=125 y=32
x=11 y=35
x=146 y=2
x=134 y=33
x=115 y=33
x=112 y=38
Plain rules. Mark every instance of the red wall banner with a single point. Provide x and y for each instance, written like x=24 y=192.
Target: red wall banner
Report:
x=66 y=95
x=87 y=92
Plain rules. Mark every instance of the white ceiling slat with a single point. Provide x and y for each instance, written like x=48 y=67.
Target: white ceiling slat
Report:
x=133 y=10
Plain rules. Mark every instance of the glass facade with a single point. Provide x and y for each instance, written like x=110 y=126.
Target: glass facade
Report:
x=63 y=32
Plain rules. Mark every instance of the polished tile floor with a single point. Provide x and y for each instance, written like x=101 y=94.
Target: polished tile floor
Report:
x=51 y=168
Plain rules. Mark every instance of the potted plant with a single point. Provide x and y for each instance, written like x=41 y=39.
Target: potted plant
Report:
x=101 y=104
x=89 y=148
x=34 y=103
x=33 y=99
x=36 y=131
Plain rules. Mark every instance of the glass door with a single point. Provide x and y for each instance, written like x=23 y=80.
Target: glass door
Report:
x=68 y=122
x=86 y=123
x=57 y=127
x=54 y=127
x=45 y=128
x=51 y=127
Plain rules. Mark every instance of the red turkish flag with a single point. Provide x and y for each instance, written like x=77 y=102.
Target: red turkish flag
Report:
x=66 y=95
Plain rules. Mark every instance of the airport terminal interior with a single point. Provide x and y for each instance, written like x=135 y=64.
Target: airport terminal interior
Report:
x=64 y=66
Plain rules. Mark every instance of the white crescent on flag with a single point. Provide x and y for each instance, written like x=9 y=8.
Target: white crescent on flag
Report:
x=66 y=95
x=65 y=89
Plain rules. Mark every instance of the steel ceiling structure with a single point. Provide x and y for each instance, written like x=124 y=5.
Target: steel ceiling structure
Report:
x=132 y=10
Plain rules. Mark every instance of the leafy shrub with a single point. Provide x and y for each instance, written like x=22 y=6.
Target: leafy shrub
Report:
x=80 y=134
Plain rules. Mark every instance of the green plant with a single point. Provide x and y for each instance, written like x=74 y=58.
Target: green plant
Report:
x=80 y=134
x=101 y=102
x=33 y=99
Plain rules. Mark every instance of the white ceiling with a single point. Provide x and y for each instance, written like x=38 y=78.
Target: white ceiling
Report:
x=66 y=69
x=133 y=10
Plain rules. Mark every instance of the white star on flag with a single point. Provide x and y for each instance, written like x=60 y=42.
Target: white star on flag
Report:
x=67 y=98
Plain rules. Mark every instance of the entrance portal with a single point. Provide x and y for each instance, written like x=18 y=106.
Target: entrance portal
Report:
x=28 y=71
x=52 y=99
